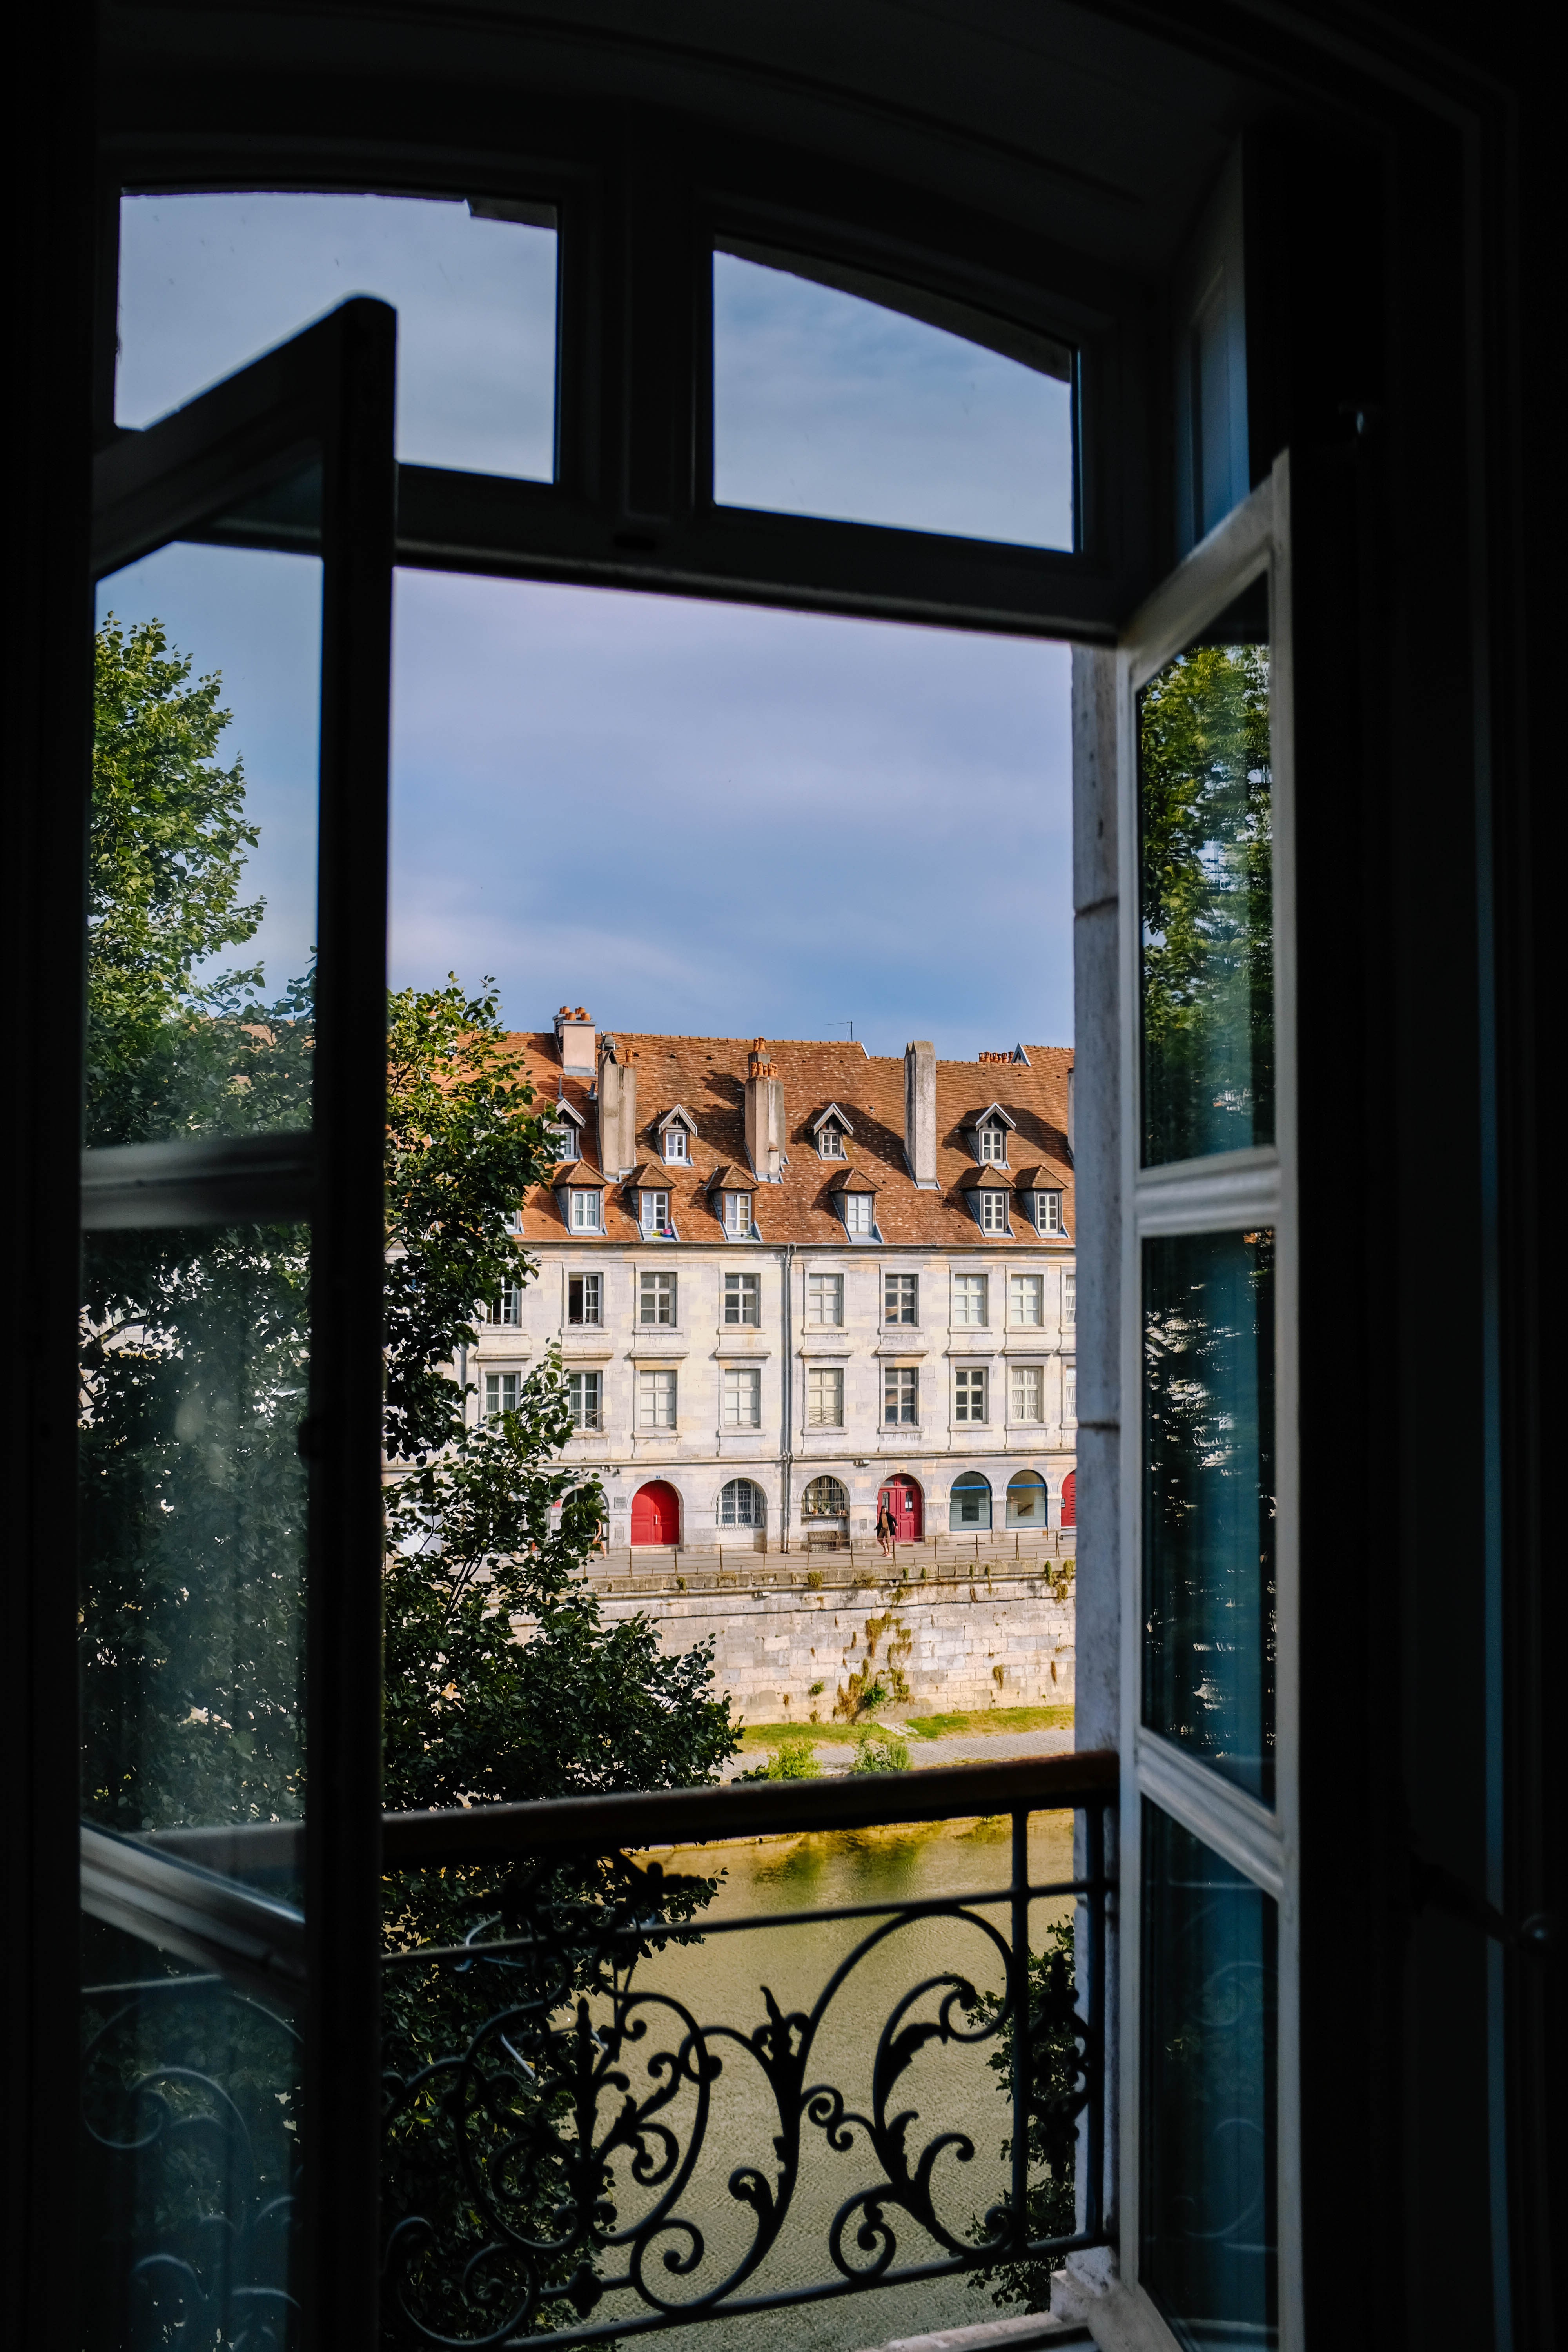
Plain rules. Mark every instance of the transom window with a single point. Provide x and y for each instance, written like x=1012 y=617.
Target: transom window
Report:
x=741 y=1504
x=655 y=1399
x=824 y=1299
x=994 y=1144
x=743 y=1397
x=969 y=1302
x=900 y=1298
x=585 y=1298
x=501 y=1393
x=969 y=1393
x=742 y=1298
x=1027 y=1298
x=1025 y=1400
x=586 y=1216
x=901 y=1395
x=585 y=1395
x=824 y=1397
x=657 y=1298
x=993 y=1213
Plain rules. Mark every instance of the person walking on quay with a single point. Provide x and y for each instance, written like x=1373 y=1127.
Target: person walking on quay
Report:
x=887 y=1533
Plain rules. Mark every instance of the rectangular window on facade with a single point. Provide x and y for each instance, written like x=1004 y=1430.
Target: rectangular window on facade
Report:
x=1069 y=1298
x=994 y=1144
x=675 y=1143
x=501 y=1393
x=900 y=1298
x=901 y=1395
x=585 y=1393
x=506 y=1308
x=737 y=1212
x=742 y=1298
x=1049 y=1212
x=969 y=1393
x=1069 y=1394
x=969 y=1302
x=859 y=1212
x=993 y=1213
x=1025 y=1402
x=824 y=1397
x=824 y=1299
x=585 y=1211
x=657 y=1298
x=1027 y=1298
x=655 y=1399
x=743 y=1397
x=584 y=1299
x=655 y=1213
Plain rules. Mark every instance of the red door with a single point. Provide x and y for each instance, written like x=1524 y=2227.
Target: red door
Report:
x=655 y=1514
x=1069 y=1500
x=902 y=1498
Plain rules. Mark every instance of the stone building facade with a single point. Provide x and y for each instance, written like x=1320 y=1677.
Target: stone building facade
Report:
x=787 y=1280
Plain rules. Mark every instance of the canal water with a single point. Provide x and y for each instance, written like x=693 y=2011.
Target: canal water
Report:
x=948 y=2090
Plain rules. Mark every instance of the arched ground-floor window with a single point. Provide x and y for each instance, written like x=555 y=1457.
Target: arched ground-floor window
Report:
x=969 y=1508
x=825 y=1498
x=1028 y=1505
x=741 y=1504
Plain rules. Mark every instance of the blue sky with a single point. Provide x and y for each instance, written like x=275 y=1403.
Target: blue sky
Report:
x=688 y=816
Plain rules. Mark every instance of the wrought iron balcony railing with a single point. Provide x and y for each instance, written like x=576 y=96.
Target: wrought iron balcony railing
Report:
x=617 y=2105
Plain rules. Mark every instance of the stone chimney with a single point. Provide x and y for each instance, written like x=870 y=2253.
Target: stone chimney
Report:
x=919 y=1113
x=574 y=1040
x=764 y=1115
x=618 y=1109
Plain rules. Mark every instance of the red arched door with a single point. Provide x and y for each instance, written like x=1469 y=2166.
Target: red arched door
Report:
x=655 y=1514
x=1069 y=1500
x=903 y=1500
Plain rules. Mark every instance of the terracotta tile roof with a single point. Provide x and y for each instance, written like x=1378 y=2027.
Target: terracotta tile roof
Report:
x=707 y=1075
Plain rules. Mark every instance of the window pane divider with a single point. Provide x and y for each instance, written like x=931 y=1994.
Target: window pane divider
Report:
x=199 y=1180
x=1209 y=1195
x=1238 y=1825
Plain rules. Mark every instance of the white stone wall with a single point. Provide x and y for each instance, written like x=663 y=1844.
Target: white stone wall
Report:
x=960 y=1641
x=784 y=1453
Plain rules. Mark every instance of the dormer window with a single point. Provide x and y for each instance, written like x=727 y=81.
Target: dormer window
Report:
x=993 y=1142
x=829 y=1130
x=992 y=1212
x=653 y=1208
x=1049 y=1212
x=737 y=1212
x=859 y=1214
x=586 y=1216
x=674 y=1144
x=830 y=1143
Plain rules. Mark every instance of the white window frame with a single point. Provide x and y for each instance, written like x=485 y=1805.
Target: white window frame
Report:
x=743 y=1290
x=913 y=1323
x=830 y=1142
x=990 y=1142
x=650 y=1216
x=963 y=1292
x=855 y=1206
x=741 y=1384
x=738 y=1214
x=1028 y=1379
x=587 y=1209
x=656 y=1387
x=676 y=1146
x=1070 y=1396
x=587 y=1322
x=993 y=1217
x=591 y=1415
x=1048 y=1216
x=505 y=1312
x=824 y=1380
x=905 y=1379
x=1069 y=1298
x=654 y=1284
x=971 y=1386
x=1223 y=1192
x=495 y=1384
x=1024 y=1287
x=758 y=1504
x=513 y=1221
x=819 y=1287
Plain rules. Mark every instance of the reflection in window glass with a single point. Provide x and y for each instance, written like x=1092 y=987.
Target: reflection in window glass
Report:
x=1208 y=1499
x=1209 y=2233
x=826 y=403
x=202 y=849
x=1205 y=845
x=207 y=282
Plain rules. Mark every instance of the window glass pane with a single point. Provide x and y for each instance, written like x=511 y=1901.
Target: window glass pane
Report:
x=1205 y=849
x=208 y=282
x=1210 y=2235
x=1208 y=1499
x=193 y=1368
x=827 y=403
x=202 y=855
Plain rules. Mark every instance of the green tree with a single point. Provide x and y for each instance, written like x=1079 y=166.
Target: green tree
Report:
x=1056 y=2098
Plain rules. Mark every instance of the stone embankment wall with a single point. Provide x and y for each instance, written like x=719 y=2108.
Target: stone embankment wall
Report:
x=949 y=1627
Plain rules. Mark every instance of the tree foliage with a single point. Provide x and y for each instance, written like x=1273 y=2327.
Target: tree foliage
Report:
x=1055 y=2093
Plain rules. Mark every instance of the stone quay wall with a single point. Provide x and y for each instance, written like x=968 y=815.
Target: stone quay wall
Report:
x=803 y=1641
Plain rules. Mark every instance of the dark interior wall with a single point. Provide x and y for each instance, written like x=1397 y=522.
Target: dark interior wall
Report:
x=1400 y=224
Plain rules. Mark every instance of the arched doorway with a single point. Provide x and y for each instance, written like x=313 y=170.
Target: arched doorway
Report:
x=1070 y=1499
x=655 y=1514
x=969 y=1506
x=1028 y=1505
x=906 y=1504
